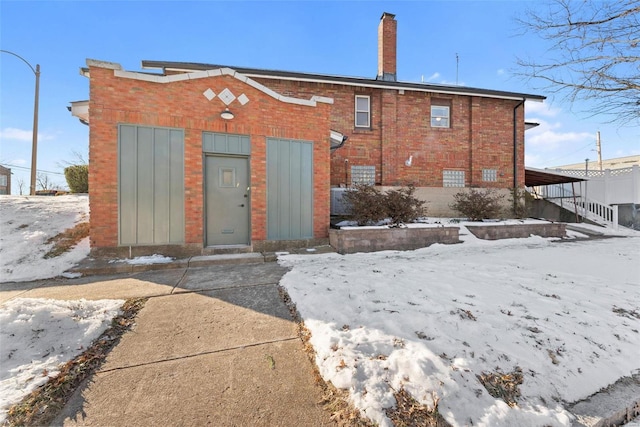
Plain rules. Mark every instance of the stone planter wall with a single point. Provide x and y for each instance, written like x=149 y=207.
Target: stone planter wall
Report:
x=495 y=232
x=403 y=239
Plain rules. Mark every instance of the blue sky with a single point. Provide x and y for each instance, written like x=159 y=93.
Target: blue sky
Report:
x=332 y=37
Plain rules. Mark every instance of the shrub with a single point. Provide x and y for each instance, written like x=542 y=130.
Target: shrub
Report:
x=521 y=201
x=403 y=206
x=77 y=178
x=369 y=205
x=477 y=204
x=366 y=204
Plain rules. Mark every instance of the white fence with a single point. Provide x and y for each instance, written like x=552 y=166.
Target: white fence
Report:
x=609 y=187
x=598 y=197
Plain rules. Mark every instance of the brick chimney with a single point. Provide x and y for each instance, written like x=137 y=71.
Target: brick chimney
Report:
x=387 y=30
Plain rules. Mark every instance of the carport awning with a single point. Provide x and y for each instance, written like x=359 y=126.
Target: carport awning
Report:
x=534 y=177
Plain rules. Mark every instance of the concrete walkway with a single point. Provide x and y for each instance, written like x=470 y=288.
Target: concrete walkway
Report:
x=213 y=346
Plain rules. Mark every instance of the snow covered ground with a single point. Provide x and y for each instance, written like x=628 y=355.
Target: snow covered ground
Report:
x=38 y=335
x=26 y=223
x=566 y=313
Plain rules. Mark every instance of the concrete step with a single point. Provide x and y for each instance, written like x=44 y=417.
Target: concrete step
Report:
x=239 y=258
x=92 y=267
x=613 y=406
x=227 y=249
x=584 y=230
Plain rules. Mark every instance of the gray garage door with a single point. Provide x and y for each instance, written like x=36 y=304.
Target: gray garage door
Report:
x=150 y=185
x=289 y=189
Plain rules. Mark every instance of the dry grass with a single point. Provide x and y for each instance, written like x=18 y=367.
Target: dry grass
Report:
x=42 y=405
x=503 y=385
x=63 y=242
x=411 y=413
x=333 y=400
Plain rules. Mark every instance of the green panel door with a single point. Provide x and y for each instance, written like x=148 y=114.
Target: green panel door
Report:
x=227 y=200
x=289 y=189
x=150 y=185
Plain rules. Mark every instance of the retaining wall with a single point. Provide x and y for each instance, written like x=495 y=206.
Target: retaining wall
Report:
x=371 y=240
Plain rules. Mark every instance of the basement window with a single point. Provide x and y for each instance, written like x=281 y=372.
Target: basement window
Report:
x=440 y=114
x=489 y=175
x=363 y=175
x=451 y=178
x=363 y=111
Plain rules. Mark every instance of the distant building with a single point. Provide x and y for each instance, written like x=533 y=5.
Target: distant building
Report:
x=617 y=163
x=5 y=180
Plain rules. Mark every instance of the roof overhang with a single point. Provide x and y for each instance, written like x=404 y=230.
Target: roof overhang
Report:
x=343 y=80
x=80 y=109
x=535 y=177
x=530 y=125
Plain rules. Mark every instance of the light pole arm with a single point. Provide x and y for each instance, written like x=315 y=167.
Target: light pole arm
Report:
x=34 y=146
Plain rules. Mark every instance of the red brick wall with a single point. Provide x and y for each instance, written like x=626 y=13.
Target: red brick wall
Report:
x=387 y=33
x=116 y=100
x=480 y=135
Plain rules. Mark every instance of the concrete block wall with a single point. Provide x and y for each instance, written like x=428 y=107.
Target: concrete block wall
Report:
x=496 y=232
x=403 y=239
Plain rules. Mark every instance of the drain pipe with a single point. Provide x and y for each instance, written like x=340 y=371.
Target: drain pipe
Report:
x=515 y=143
x=515 y=153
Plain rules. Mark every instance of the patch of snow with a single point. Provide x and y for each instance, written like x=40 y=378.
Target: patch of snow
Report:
x=69 y=275
x=26 y=223
x=150 y=259
x=433 y=319
x=38 y=335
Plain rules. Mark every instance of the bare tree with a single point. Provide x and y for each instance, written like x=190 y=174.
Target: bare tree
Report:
x=45 y=183
x=78 y=159
x=594 y=54
x=21 y=185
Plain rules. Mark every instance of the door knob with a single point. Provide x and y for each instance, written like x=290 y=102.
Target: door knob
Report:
x=242 y=205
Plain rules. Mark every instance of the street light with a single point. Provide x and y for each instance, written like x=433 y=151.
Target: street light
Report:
x=34 y=146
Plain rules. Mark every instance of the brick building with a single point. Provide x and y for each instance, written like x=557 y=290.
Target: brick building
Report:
x=205 y=155
x=5 y=180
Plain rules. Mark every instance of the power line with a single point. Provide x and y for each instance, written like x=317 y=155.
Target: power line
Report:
x=22 y=167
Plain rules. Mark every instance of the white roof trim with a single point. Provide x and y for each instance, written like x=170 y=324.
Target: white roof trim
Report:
x=431 y=89
x=153 y=78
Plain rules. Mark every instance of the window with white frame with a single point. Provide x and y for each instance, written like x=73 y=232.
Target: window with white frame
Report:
x=489 y=175
x=451 y=178
x=440 y=115
x=363 y=111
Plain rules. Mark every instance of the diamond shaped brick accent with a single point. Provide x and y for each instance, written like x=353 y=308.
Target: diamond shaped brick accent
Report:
x=243 y=99
x=209 y=94
x=226 y=96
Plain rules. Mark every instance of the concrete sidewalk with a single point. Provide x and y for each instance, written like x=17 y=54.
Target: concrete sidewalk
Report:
x=213 y=345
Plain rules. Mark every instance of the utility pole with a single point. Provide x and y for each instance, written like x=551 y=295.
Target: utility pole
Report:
x=599 y=150
x=34 y=141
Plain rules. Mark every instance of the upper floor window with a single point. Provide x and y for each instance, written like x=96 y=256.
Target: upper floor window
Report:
x=363 y=111
x=440 y=115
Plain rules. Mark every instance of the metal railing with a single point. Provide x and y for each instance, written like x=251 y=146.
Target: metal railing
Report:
x=590 y=209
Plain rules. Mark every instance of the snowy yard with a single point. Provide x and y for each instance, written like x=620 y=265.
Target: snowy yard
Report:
x=564 y=315
x=26 y=223
x=567 y=314
x=39 y=335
